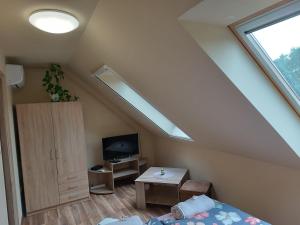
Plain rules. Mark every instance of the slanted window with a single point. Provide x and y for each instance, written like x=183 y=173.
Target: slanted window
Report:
x=274 y=40
x=110 y=78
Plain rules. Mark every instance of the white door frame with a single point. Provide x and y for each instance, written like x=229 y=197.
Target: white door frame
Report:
x=7 y=156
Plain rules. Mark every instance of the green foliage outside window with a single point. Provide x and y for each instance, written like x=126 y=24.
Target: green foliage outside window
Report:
x=289 y=66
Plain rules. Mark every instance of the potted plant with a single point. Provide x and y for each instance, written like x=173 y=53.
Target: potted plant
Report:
x=52 y=82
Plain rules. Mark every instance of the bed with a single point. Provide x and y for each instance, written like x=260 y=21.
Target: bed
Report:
x=221 y=214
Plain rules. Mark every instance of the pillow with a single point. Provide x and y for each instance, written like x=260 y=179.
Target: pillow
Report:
x=192 y=206
x=165 y=217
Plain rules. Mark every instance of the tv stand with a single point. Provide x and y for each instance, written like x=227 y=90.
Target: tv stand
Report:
x=114 y=161
x=103 y=181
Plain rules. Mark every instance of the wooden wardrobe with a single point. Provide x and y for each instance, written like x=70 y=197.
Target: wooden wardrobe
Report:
x=53 y=154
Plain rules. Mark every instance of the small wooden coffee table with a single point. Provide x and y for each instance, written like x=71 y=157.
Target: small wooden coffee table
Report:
x=154 y=188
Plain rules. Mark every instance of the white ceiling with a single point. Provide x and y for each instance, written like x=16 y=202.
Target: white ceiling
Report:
x=145 y=43
x=23 y=43
x=225 y=12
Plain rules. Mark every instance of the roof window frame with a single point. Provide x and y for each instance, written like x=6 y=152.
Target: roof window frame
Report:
x=267 y=17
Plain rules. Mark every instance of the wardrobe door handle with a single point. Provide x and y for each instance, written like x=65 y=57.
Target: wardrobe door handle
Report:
x=56 y=153
x=51 y=154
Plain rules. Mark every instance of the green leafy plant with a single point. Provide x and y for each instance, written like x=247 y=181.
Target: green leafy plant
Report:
x=52 y=82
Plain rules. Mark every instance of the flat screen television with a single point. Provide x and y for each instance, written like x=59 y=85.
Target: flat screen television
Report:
x=119 y=147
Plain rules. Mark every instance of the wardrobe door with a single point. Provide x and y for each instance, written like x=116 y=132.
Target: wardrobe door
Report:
x=38 y=156
x=71 y=151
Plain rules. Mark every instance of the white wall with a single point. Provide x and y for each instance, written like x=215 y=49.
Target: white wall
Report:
x=160 y=60
x=267 y=191
x=225 y=50
x=18 y=202
x=3 y=206
x=101 y=120
x=14 y=155
x=263 y=189
x=2 y=63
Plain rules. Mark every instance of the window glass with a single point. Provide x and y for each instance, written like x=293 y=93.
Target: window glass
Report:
x=273 y=38
x=119 y=86
x=281 y=43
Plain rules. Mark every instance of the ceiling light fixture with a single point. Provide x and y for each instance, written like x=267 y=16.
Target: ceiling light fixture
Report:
x=54 y=21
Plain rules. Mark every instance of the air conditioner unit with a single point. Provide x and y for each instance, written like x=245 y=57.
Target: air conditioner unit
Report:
x=15 y=75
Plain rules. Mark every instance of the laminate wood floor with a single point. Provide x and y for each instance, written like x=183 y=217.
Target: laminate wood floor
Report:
x=90 y=212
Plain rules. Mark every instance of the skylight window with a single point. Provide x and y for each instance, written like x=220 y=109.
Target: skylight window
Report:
x=106 y=75
x=274 y=40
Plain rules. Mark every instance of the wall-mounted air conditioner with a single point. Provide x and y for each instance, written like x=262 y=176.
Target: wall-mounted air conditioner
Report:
x=15 y=75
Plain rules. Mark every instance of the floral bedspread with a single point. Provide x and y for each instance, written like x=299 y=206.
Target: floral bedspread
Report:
x=222 y=214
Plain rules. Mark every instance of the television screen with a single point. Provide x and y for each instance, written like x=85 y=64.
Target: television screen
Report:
x=120 y=146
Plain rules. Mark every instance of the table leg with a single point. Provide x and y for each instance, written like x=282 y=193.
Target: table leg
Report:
x=140 y=195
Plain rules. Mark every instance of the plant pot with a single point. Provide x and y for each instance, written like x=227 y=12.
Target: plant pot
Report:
x=55 y=98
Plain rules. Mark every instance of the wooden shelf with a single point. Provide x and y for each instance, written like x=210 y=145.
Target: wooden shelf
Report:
x=102 y=181
x=162 y=195
x=126 y=160
x=124 y=173
x=142 y=162
x=104 y=170
x=101 y=190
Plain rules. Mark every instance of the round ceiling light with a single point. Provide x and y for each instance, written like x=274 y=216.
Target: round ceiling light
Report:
x=53 y=21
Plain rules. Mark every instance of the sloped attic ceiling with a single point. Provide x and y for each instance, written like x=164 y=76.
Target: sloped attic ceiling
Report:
x=144 y=42
x=21 y=42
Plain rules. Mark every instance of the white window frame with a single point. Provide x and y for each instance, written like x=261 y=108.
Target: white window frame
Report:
x=274 y=16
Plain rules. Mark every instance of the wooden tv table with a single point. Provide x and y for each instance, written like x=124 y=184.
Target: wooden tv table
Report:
x=154 y=188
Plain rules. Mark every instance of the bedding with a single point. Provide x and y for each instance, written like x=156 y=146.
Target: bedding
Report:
x=221 y=214
x=107 y=221
x=190 y=207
